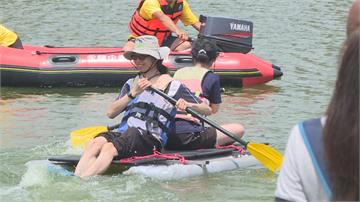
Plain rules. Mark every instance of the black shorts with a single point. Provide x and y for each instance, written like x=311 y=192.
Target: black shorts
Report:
x=133 y=142
x=204 y=139
x=168 y=41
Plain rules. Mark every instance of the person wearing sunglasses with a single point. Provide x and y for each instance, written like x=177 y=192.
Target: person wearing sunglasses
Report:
x=148 y=119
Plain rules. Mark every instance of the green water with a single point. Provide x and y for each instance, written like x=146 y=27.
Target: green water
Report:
x=302 y=37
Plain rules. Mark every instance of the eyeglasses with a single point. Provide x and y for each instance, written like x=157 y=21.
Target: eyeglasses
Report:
x=138 y=56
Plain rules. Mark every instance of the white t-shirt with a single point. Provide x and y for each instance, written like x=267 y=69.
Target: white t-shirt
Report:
x=298 y=180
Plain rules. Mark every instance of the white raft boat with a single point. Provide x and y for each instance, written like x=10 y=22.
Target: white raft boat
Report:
x=198 y=162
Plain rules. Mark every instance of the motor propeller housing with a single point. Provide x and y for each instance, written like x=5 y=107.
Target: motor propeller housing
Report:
x=230 y=35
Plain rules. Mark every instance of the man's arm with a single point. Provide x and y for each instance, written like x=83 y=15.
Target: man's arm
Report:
x=202 y=108
x=170 y=25
x=197 y=26
x=189 y=18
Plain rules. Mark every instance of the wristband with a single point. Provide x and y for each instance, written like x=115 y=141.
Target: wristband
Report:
x=130 y=96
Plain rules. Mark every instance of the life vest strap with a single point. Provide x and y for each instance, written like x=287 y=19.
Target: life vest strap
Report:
x=311 y=132
x=149 y=108
x=149 y=121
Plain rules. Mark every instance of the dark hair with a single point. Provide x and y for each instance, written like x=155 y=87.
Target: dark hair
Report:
x=204 y=51
x=353 y=20
x=161 y=68
x=341 y=131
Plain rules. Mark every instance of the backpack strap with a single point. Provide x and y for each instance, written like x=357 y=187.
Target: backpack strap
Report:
x=172 y=88
x=130 y=82
x=311 y=132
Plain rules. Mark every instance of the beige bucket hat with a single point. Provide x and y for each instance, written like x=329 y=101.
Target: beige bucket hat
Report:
x=148 y=45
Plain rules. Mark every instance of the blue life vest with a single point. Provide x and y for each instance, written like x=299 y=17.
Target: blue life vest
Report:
x=157 y=117
x=311 y=132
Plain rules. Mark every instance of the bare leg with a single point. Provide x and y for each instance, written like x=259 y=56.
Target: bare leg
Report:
x=92 y=150
x=179 y=45
x=129 y=45
x=236 y=129
x=102 y=162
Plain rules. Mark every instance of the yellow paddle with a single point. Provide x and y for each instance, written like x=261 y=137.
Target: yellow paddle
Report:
x=80 y=137
x=267 y=155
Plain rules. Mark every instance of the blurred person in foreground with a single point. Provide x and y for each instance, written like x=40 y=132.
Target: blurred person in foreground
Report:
x=322 y=155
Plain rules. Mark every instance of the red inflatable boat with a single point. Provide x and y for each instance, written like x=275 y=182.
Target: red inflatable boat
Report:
x=50 y=66
x=62 y=66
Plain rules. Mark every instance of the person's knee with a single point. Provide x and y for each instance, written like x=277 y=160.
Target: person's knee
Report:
x=180 y=46
x=89 y=144
x=109 y=149
x=236 y=128
x=240 y=130
x=94 y=146
x=186 y=46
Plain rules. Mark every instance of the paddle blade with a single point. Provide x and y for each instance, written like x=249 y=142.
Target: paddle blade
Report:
x=80 y=137
x=267 y=155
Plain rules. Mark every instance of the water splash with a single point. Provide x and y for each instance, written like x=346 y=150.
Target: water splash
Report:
x=36 y=174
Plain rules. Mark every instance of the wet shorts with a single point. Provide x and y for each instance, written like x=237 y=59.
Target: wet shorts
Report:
x=133 y=142
x=189 y=141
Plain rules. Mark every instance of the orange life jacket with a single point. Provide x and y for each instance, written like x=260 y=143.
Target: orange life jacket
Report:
x=140 y=26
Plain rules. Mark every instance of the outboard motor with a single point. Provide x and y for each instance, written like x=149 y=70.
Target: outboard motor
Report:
x=230 y=35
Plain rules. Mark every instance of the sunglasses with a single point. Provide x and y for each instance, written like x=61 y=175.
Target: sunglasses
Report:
x=138 y=56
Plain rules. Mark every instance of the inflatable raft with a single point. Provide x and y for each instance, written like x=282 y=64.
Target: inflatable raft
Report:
x=62 y=66
x=58 y=66
x=196 y=162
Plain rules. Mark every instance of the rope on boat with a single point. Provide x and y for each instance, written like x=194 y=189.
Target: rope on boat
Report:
x=240 y=149
x=156 y=154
